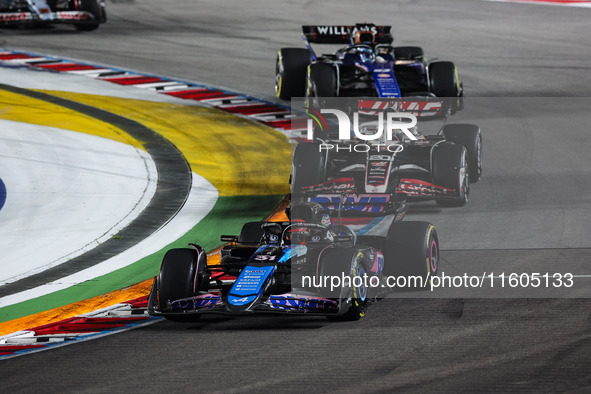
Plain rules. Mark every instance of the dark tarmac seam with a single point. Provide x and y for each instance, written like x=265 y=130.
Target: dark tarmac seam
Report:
x=172 y=190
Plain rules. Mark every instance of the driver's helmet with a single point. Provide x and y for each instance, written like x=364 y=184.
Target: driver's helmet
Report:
x=361 y=54
x=295 y=234
x=402 y=136
x=364 y=37
x=370 y=129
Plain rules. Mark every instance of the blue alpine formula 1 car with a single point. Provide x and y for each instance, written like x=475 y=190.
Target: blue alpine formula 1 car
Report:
x=297 y=267
x=368 y=65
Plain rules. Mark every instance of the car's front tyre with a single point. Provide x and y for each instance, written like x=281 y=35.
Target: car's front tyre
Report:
x=347 y=262
x=181 y=276
x=309 y=166
x=449 y=170
x=290 y=72
x=443 y=79
x=321 y=80
x=469 y=136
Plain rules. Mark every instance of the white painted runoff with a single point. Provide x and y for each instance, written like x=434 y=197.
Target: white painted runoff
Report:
x=66 y=193
x=202 y=198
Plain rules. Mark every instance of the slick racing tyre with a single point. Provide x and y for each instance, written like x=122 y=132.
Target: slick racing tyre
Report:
x=309 y=167
x=321 y=80
x=412 y=250
x=408 y=53
x=470 y=137
x=339 y=262
x=93 y=7
x=181 y=276
x=443 y=79
x=290 y=72
x=449 y=170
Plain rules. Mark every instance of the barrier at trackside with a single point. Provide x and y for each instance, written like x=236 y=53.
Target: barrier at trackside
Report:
x=270 y=114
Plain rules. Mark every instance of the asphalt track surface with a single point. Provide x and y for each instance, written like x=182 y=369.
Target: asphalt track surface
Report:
x=173 y=188
x=532 y=205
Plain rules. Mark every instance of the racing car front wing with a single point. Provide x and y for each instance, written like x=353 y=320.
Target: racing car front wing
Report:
x=282 y=303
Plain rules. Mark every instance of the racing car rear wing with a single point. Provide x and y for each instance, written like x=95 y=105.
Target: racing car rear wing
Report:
x=420 y=106
x=334 y=34
x=356 y=205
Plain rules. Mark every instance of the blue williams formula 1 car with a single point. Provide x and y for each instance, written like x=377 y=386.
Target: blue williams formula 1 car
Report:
x=85 y=15
x=289 y=268
x=368 y=65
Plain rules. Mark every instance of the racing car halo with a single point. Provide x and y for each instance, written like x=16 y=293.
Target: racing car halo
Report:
x=85 y=15
x=368 y=65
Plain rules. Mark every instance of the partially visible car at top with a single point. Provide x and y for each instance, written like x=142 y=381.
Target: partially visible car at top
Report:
x=367 y=65
x=84 y=15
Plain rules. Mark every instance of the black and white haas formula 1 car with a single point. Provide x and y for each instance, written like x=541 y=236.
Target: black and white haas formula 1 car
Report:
x=85 y=15
x=291 y=268
x=367 y=65
x=399 y=164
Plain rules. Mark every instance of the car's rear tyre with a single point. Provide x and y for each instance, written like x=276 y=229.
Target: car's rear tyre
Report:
x=309 y=167
x=290 y=72
x=443 y=79
x=408 y=53
x=321 y=80
x=181 y=276
x=449 y=170
x=412 y=249
x=469 y=136
x=349 y=262
x=94 y=8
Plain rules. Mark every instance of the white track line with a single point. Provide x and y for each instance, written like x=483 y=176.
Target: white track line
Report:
x=202 y=198
x=67 y=192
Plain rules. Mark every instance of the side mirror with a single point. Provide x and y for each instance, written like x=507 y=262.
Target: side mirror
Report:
x=229 y=238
